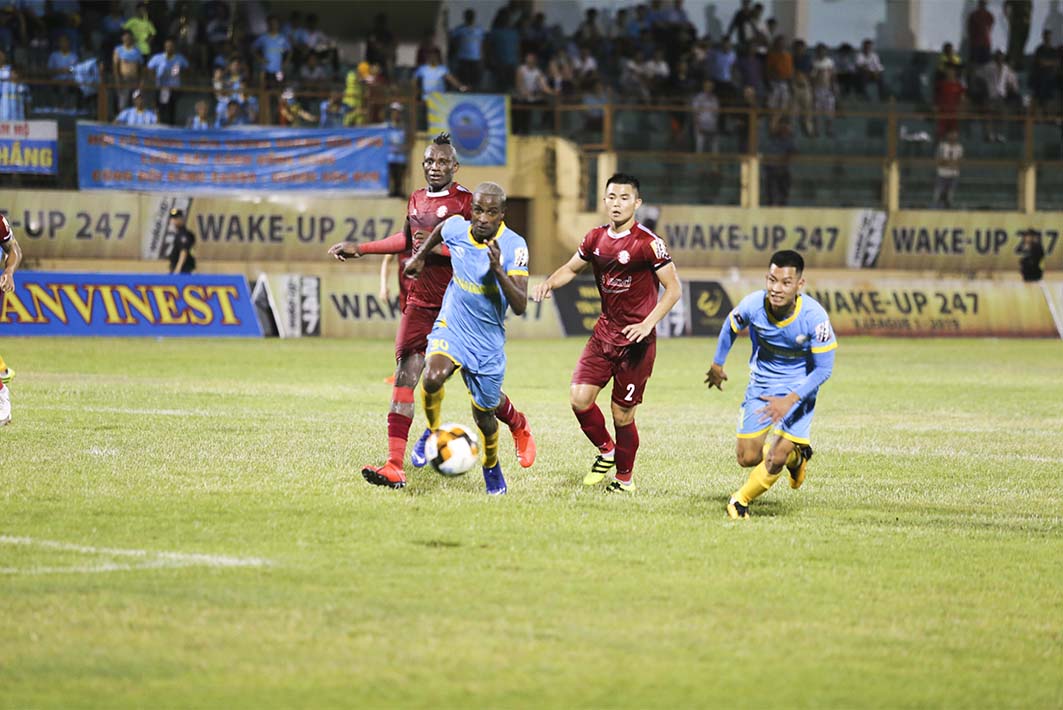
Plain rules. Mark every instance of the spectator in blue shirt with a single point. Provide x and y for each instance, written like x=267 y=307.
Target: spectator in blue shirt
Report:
x=434 y=77
x=397 y=157
x=167 y=66
x=233 y=117
x=137 y=114
x=127 y=63
x=272 y=49
x=333 y=111
x=201 y=121
x=504 y=43
x=468 y=40
x=14 y=95
x=60 y=62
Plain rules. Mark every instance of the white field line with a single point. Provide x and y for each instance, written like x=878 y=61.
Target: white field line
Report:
x=144 y=559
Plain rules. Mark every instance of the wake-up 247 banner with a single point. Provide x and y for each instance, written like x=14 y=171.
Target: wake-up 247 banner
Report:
x=274 y=159
x=55 y=303
x=29 y=147
x=478 y=125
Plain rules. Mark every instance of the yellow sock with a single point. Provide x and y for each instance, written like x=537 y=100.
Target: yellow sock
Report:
x=3 y=365
x=759 y=481
x=433 y=408
x=794 y=459
x=490 y=448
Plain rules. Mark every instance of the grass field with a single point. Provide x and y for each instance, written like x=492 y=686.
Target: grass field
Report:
x=921 y=565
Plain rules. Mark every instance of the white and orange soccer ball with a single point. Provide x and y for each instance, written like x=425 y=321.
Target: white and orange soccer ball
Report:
x=453 y=449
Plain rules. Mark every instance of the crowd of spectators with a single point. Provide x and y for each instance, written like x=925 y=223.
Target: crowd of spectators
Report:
x=641 y=54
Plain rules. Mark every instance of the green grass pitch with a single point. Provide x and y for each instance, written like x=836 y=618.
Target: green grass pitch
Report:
x=183 y=524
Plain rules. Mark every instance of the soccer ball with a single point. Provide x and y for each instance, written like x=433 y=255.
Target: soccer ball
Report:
x=453 y=449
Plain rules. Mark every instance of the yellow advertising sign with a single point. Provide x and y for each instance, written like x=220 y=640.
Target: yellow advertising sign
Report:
x=351 y=307
x=74 y=225
x=278 y=228
x=860 y=305
x=732 y=236
x=966 y=241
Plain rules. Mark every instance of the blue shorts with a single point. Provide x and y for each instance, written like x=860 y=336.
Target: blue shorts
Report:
x=795 y=426
x=485 y=388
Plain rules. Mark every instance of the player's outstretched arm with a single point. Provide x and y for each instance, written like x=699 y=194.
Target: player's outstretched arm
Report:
x=414 y=265
x=514 y=286
x=559 y=278
x=385 y=267
x=637 y=332
x=715 y=377
x=13 y=254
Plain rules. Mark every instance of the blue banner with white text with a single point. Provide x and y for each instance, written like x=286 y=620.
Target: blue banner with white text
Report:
x=478 y=125
x=29 y=147
x=56 y=303
x=273 y=159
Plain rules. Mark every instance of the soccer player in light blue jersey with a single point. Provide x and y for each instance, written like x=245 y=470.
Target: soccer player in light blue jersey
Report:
x=793 y=354
x=490 y=263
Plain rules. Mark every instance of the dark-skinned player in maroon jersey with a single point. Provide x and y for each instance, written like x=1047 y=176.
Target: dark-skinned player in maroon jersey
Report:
x=427 y=207
x=630 y=264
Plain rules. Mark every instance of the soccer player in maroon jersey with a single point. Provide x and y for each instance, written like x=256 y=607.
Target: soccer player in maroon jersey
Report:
x=427 y=207
x=630 y=263
x=11 y=255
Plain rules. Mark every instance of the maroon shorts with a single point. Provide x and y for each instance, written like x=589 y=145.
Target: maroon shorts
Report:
x=416 y=324
x=629 y=366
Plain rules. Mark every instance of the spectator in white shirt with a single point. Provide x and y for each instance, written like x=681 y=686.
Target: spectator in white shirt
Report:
x=824 y=90
x=585 y=65
x=949 y=155
x=531 y=88
x=869 y=69
x=706 y=109
x=1001 y=83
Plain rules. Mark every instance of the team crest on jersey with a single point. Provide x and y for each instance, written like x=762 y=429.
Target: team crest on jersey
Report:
x=823 y=331
x=623 y=257
x=441 y=211
x=659 y=249
x=801 y=339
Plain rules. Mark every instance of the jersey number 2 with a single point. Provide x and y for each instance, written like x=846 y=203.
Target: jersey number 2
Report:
x=630 y=393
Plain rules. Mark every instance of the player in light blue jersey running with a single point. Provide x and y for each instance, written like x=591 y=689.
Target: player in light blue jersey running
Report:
x=490 y=263
x=793 y=354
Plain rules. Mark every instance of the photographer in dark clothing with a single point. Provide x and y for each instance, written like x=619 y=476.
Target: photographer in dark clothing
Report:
x=182 y=260
x=1033 y=254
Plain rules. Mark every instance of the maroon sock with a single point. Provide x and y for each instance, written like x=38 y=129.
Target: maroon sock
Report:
x=627 y=443
x=592 y=422
x=398 y=434
x=510 y=416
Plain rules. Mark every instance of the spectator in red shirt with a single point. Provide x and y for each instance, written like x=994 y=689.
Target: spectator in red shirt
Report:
x=948 y=95
x=979 y=28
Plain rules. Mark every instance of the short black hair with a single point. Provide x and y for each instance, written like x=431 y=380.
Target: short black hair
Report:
x=788 y=257
x=442 y=139
x=624 y=179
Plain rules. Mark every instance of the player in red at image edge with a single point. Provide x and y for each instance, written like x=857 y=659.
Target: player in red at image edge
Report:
x=793 y=354
x=421 y=300
x=630 y=264
x=12 y=256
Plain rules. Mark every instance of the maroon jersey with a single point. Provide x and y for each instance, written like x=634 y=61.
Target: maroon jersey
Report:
x=424 y=211
x=5 y=229
x=625 y=269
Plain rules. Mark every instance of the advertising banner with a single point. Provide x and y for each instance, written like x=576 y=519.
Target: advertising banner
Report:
x=54 y=303
x=273 y=159
x=478 y=125
x=29 y=147
x=274 y=228
x=863 y=305
x=966 y=241
x=732 y=236
x=74 y=225
x=351 y=307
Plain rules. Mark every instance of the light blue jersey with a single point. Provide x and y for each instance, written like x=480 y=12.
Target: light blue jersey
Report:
x=792 y=355
x=470 y=329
